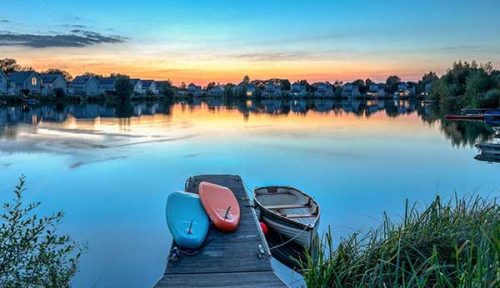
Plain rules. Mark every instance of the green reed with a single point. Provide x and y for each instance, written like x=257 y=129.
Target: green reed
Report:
x=448 y=244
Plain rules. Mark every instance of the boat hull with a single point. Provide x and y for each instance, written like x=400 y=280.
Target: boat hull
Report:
x=489 y=148
x=300 y=234
x=465 y=117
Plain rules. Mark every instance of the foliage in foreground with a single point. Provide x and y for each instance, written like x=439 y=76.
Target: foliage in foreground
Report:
x=32 y=254
x=454 y=244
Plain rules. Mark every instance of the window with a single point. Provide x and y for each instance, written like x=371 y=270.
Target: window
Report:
x=33 y=81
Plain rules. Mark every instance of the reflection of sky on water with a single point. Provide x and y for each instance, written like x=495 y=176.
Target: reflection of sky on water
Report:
x=112 y=176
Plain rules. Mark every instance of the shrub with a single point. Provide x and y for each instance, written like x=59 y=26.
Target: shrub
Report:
x=32 y=254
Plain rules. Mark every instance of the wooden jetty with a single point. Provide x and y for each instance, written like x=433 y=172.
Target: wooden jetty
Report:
x=238 y=259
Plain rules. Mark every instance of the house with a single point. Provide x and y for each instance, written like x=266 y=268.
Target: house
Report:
x=350 y=90
x=150 y=87
x=271 y=89
x=161 y=86
x=52 y=81
x=24 y=82
x=323 y=89
x=245 y=90
x=427 y=88
x=84 y=85
x=405 y=89
x=376 y=90
x=194 y=89
x=216 y=91
x=137 y=84
x=298 y=90
x=107 y=85
x=3 y=83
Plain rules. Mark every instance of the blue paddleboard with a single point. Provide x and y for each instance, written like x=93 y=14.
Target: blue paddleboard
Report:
x=186 y=219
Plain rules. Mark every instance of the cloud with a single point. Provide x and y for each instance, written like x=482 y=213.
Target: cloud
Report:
x=272 y=56
x=77 y=38
x=79 y=26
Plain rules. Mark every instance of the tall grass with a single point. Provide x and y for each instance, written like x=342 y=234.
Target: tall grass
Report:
x=448 y=244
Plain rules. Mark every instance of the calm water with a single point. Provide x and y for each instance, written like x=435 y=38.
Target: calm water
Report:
x=111 y=168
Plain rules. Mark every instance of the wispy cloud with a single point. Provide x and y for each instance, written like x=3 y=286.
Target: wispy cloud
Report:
x=272 y=56
x=77 y=38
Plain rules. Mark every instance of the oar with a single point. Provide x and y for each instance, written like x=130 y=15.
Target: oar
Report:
x=227 y=212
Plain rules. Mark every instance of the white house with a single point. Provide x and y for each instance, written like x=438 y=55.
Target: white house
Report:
x=3 y=83
x=194 y=89
x=52 y=81
x=271 y=89
x=323 y=89
x=106 y=85
x=85 y=85
x=137 y=84
x=24 y=82
x=350 y=90
x=149 y=86
x=298 y=90
x=216 y=91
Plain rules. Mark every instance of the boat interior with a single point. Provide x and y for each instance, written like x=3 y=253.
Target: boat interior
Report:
x=288 y=202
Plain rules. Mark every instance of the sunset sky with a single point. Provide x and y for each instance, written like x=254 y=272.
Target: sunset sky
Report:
x=221 y=41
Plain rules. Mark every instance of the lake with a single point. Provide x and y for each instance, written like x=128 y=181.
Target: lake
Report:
x=110 y=168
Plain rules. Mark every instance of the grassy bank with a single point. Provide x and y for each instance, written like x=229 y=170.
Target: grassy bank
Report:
x=449 y=244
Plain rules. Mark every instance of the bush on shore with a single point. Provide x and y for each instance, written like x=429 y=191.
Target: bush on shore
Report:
x=32 y=253
x=453 y=244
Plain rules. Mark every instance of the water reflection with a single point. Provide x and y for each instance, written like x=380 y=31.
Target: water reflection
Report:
x=458 y=133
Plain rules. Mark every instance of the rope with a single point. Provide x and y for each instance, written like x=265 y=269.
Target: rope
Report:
x=290 y=240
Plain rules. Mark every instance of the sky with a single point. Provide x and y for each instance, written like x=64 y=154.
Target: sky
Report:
x=221 y=41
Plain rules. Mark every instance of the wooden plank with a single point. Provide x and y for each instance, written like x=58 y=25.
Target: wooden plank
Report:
x=254 y=279
x=227 y=259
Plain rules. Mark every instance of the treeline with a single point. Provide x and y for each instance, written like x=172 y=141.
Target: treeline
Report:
x=469 y=85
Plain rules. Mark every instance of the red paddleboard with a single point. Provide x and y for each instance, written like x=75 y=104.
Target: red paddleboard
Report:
x=221 y=206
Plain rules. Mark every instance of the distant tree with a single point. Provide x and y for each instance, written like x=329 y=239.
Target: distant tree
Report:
x=246 y=79
x=361 y=85
x=8 y=65
x=285 y=84
x=392 y=83
x=429 y=78
x=211 y=85
x=124 y=89
x=167 y=88
x=368 y=82
x=93 y=75
x=467 y=84
x=183 y=86
x=66 y=75
x=306 y=84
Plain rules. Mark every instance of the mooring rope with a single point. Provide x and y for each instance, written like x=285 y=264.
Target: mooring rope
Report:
x=289 y=240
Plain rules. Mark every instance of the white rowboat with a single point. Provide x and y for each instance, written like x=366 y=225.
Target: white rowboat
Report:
x=290 y=212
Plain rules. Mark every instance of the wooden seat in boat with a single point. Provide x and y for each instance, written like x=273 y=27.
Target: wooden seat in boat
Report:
x=290 y=206
x=300 y=216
